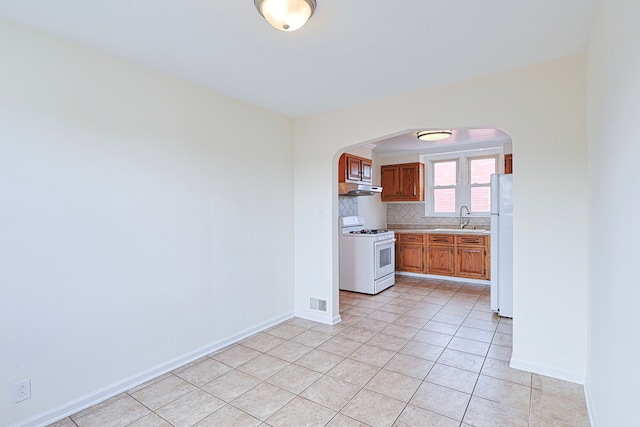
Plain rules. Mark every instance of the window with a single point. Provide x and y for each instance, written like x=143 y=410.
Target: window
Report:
x=462 y=179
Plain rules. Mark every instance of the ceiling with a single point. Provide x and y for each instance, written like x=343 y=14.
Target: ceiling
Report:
x=351 y=51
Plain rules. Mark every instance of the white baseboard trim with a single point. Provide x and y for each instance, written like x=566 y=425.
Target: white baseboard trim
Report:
x=316 y=317
x=337 y=319
x=574 y=377
x=116 y=388
x=448 y=278
x=593 y=419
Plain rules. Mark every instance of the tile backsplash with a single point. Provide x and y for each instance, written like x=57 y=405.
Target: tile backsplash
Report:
x=347 y=206
x=411 y=215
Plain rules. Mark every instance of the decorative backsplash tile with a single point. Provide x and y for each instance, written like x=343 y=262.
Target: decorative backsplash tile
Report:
x=410 y=215
x=347 y=206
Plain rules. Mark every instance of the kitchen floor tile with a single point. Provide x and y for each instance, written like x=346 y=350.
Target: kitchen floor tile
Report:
x=423 y=353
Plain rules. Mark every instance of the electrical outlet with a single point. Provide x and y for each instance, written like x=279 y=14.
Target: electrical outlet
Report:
x=22 y=390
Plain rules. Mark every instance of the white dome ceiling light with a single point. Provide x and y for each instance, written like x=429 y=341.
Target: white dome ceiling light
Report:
x=286 y=15
x=434 y=135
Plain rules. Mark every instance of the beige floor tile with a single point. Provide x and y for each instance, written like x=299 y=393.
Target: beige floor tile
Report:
x=449 y=318
x=500 y=369
x=329 y=329
x=263 y=366
x=409 y=365
x=262 y=342
x=229 y=416
x=394 y=309
x=469 y=346
x=65 y=422
x=354 y=372
x=559 y=387
x=503 y=339
x=340 y=346
x=204 y=372
x=236 y=356
x=151 y=420
x=475 y=334
x=356 y=310
x=483 y=315
x=331 y=392
x=387 y=342
x=341 y=420
x=503 y=392
x=301 y=412
x=403 y=303
x=551 y=406
x=374 y=409
x=443 y=328
x=414 y=322
x=303 y=323
x=441 y=400
x=383 y=316
x=412 y=416
x=263 y=401
x=422 y=350
x=231 y=385
x=505 y=328
x=411 y=297
x=455 y=378
x=289 y=351
x=102 y=404
x=400 y=331
x=294 y=378
x=369 y=303
x=319 y=361
x=119 y=413
x=159 y=394
x=190 y=409
x=462 y=360
x=357 y=334
x=372 y=355
x=430 y=337
x=394 y=385
x=148 y=383
x=483 y=412
x=499 y=352
x=371 y=324
x=285 y=331
x=312 y=338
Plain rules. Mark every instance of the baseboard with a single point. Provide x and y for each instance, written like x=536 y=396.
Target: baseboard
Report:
x=114 y=389
x=337 y=319
x=447 y=278
x=593 y=419
x=548 y=371
x=316 y=317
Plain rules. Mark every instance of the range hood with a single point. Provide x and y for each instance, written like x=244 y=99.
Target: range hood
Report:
x=353 y=189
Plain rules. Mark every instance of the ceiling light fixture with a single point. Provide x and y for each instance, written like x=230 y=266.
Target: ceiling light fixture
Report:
x=434 y=135
x=286 y=15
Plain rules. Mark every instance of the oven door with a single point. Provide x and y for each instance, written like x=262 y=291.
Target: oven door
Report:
x=385 y=257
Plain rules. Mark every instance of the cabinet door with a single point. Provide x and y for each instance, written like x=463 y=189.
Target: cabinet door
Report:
x=440 y=260
x=508 y=163
x=366 y=171
x=390 y=181
x=471 y=262
x=353 y=168
x=408 y=182
x=411 y=257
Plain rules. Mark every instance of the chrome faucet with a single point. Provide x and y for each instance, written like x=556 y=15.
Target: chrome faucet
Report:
x=462 y=222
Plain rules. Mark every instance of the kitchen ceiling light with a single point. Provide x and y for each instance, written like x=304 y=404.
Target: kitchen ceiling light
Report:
x=286 y=15
x=433 y=135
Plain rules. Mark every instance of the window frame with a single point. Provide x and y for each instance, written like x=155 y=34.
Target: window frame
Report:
x=463 y=185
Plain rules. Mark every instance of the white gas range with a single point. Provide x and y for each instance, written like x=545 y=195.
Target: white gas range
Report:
x=367 y=257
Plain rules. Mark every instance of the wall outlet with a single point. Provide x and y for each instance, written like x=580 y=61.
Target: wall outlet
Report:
x=22 y=390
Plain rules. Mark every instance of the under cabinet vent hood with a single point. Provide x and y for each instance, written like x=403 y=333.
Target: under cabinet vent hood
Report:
x=353 y=189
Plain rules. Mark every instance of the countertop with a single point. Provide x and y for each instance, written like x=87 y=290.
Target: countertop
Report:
x=441 y=231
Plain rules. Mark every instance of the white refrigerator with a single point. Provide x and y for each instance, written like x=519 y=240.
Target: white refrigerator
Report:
x=502 y=244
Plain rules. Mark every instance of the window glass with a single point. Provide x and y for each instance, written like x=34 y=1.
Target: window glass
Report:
x=444 y=200
x=481 y=170
x=480 y=199
x=445 y=173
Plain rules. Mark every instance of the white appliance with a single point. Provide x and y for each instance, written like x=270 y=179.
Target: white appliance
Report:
x=367 y=257
x=502 y=244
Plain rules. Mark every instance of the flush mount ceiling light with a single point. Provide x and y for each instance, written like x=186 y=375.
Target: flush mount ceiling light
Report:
x=286 y=15
x=434 y=135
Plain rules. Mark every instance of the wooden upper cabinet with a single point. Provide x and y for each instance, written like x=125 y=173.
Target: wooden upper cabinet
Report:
x=508 y=163
x=403 y=182
x=353 y=168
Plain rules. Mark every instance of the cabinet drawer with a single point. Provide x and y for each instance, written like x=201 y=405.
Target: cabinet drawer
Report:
x=471 y=240
x=441 y=238
x=410 y=238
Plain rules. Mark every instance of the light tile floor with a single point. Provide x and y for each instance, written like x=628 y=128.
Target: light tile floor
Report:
x=422 y=353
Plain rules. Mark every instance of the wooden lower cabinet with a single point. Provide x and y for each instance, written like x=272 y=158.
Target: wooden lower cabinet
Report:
x=410 y=253
x=444 y=254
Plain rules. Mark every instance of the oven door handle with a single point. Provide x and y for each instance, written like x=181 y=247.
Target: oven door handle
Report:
x=383 y=242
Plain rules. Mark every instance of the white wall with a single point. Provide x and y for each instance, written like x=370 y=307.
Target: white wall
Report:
x=543 y=109
x=134 y=209
x=614 y=150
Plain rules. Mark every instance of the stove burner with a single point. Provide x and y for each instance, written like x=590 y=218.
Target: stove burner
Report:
x=369 y=231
